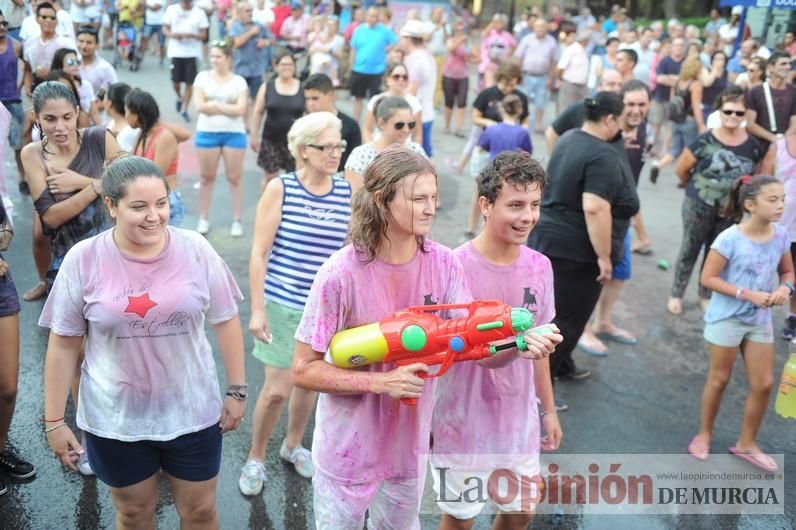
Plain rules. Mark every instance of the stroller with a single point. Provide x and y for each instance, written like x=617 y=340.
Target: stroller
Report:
x=127 y=46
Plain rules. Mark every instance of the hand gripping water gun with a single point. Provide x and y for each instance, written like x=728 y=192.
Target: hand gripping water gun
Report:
x=416 y=335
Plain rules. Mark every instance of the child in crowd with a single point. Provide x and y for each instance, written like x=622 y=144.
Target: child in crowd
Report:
x=738 y=270
x=501 y=398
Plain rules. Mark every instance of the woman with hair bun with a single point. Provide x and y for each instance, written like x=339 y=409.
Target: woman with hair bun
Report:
x=137 y=297
x=586 y=211
x=366 y=445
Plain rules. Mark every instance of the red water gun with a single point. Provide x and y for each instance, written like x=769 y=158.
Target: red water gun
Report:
x=417 y=335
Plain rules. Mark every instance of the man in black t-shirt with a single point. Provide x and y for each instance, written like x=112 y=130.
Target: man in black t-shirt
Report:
x=783 y=101
x=319 y=97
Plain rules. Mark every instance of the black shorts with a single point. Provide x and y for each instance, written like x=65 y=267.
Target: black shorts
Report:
x=195 y=457
x=455 y=91
x=365 y=85
x=793 y=252
x=183 y=70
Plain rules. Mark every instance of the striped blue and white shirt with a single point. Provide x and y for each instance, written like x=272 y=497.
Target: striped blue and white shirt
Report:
x=313 y=227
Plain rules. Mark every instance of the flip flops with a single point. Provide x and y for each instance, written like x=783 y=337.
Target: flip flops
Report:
x=759 y=460
x=642 y=251
x=698 y=449
x=622 y=338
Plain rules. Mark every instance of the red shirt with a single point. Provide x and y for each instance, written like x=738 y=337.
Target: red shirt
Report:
x=349 y=31
x=280 y=15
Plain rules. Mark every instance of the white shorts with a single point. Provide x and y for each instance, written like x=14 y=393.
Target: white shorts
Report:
x=85 y=15
x=394 y=504
x=454 y=502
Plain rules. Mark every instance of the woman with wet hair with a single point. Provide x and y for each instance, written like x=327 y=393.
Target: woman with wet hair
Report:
x=137 y=297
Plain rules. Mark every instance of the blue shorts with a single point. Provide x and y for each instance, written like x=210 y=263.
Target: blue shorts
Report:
x=176 y=208
x=623 y=269
x=731 y=332
x=195 y=457
x=535 y=88
x=157 y=29
x=212 y=140
x=9 y=302
x=15 y=127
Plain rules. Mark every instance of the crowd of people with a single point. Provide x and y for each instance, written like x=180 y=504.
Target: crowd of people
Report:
x=341 y=231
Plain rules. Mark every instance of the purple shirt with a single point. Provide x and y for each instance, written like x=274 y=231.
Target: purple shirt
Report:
x=504 y=137
x=538 y=55
x=455 y=66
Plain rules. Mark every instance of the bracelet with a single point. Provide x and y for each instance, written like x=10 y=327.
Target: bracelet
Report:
x=45 y=420
x=237 y=394
x=546 y=412
x=244 y=386
x=51 y=429
x=790 y=287
x=739 y=293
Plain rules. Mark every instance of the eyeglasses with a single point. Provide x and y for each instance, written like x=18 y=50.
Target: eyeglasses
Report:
x=400 y=77
x=71 y=62
x=46 y=17
x=91 y=30
x=219 y=44
x=739 y=113
x=330 y=148
x=400 y=125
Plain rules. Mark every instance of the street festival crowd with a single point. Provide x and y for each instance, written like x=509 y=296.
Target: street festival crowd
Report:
x=340 y=237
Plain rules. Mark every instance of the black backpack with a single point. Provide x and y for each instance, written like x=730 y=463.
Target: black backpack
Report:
x=680 y=104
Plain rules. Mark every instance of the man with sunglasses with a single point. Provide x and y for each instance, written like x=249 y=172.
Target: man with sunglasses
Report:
x=14 y=11
x=94 y=69
x=38 y=51
x=186 y=27
x=64 y=25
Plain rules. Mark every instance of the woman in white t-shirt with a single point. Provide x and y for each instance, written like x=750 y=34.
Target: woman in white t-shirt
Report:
x=113 y=105
x=137 y=297
x=221 y=98
x=397 y=80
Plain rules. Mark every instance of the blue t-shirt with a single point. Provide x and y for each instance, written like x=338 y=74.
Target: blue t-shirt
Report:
x=249 y=60
x=504 y=137
x=734 y=65
x=750 y=265
x=371 y=48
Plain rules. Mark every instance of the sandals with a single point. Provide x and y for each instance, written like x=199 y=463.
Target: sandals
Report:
x=698 y=449
x=759 y=460
x=36 y=292
x=643 y=250
x=618 y=335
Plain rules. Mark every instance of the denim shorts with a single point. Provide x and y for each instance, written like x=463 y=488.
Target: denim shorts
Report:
x=730 y=332
x=195 y=457
x=427 y=137
x=212 y=140
x=15 y=127
x=9 y=301
x=156 y=29
x=623 y=269
x=682 y=136
x=176 y=208
x=535 y=87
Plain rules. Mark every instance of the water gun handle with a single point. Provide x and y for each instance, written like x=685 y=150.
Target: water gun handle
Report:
x=449 y=357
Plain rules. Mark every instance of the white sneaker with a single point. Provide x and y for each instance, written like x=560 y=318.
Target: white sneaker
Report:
x=236 y=230
x=203 y=227
x=300 y=457
x=83 y=466
x=252 y=477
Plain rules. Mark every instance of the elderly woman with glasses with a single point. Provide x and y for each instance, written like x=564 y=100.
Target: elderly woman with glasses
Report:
x=707 y=169
x=397 y=122
x=302 y=218
x=221 y=98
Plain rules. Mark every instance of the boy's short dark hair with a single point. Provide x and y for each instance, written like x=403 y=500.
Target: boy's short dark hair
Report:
x=44 y=5
x=515 y=167
x=320 y=82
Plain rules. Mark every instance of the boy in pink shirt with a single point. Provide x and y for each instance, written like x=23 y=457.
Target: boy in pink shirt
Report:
x=481 y=411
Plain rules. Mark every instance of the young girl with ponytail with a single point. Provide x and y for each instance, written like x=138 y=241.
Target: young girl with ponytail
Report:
x=738 y=271
x=367 y=446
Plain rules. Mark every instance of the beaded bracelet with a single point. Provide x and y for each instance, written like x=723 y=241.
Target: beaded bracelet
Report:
x=51 y=429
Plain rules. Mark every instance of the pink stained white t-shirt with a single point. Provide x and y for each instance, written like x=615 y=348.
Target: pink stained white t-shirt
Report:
x=480 y=410
x=149 y=372
x=369 y=437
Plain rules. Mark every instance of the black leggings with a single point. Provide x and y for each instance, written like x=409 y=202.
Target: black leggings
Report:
x=455 y=91
x=576 y=291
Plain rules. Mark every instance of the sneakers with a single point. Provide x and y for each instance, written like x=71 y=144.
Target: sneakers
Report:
x=577 y=374
x=15 y=466
x=236 y=230
x=203 y=227
x=789 y=331
x=252 y=478
x=299 y=457
x=185 y=116
x=83 y=466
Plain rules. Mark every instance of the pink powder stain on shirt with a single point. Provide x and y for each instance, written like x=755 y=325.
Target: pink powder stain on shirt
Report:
x=497 y=413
